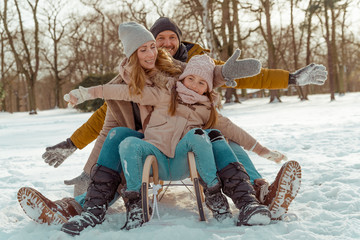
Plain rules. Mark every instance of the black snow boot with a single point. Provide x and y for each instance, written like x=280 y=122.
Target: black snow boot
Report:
x=217 y=202
x=101 y=191
x=237 y=186
x=134 y=214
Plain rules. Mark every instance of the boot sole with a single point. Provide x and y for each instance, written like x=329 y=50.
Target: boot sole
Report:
x=288 y=187
x=35 y=208
x=255 y=216
x=259 y=218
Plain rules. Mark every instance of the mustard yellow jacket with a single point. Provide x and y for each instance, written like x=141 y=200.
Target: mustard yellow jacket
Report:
x=267 y=79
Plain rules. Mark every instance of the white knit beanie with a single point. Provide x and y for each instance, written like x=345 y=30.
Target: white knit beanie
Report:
x=132 y=36
x=201 y=65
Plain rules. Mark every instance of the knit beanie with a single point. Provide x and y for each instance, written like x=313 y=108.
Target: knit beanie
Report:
x=132 y=36
x=163 y=24
x=200 y=65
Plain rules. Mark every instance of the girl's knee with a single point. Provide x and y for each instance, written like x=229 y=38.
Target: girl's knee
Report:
x=215 y=135
x=197 y=131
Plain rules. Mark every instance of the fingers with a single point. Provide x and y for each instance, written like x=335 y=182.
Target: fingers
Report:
x=71 y=99
x=235 y=55
x=67 y=97
x=320 y=75
x=58 y=163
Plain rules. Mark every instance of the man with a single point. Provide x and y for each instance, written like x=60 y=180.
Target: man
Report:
x=168 y=36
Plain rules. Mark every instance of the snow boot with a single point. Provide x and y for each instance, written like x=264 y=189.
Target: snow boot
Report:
x=217 y=202
x=101 y=191
x=279 y=195
x=134 y=213
x=43 y=210
x=237 y=186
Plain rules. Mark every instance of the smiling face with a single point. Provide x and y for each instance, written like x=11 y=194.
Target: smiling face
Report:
x=196 y=83
x=147 y=54
x=168 y=40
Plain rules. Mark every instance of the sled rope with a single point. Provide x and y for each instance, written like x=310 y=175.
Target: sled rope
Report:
x=156 y=188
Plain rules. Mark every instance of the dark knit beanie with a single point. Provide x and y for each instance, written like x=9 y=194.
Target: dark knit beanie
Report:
x=163 y=24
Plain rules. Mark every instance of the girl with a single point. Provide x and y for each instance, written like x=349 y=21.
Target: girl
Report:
x=190 y=110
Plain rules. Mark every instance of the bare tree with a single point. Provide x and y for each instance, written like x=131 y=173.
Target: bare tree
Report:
x=296 y=47
x=27 y=58
x=56 y=30
x=267 y=33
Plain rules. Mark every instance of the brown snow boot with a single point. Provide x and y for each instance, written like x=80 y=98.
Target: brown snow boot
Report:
x=283 y=190
x=102 y=189
x=43 y=210
x=237 y=186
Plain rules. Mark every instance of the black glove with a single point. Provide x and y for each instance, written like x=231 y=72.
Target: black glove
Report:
x=56 y=154
x=234 y=69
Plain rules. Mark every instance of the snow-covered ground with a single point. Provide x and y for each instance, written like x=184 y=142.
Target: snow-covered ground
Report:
x=323 y=136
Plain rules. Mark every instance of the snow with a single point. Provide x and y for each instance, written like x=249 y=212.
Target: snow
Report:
x=323 y=136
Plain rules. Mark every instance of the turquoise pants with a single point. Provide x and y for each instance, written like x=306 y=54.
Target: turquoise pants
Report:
x=110 y=156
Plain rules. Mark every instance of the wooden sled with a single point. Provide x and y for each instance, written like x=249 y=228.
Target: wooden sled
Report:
x=151 y=162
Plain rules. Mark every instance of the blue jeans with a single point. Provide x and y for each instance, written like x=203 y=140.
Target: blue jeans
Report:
x=224 y=155
x=110 y=156
x=134 y=151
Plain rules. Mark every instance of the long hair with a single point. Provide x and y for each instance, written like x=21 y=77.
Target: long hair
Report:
x=138 y=75
x=213 y=119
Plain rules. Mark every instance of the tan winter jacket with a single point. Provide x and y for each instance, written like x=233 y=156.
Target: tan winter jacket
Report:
x=165 y=131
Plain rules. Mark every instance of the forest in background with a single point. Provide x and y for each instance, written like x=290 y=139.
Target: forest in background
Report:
x=47 y=47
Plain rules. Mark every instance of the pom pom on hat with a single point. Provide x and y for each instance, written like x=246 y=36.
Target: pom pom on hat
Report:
x=200 y=65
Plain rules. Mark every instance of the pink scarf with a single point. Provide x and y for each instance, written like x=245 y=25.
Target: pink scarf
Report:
x=189 y=96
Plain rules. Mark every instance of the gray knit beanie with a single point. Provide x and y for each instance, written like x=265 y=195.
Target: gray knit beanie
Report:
x=132 y=36
x=163 y=24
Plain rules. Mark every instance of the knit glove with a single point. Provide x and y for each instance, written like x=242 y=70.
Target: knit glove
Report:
x=81 y=183
x=56 y=155
x=234 y=69
x=311 y=74
x=83 y=177
x=77 y=96
x=274 y=156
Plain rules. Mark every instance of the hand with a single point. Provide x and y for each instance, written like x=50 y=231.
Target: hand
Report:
x=77 y=96
x=83 y=177
x=234 y=69
x=274 y=156
x=81 y=183
x=311 y=74
x=57 y=154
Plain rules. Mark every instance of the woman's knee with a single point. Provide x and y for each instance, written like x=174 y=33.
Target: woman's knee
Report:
x=120 y=133
x=130 y=143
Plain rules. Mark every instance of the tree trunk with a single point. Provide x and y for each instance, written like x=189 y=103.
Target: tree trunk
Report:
x=330 y=53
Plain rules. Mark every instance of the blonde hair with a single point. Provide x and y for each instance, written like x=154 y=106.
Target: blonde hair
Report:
x=138 y=74
x=213 y=119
